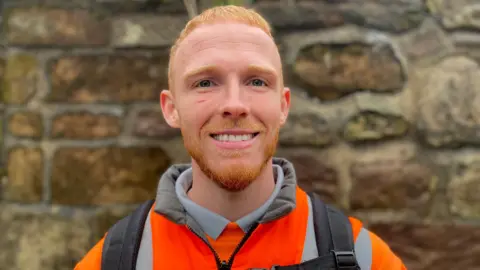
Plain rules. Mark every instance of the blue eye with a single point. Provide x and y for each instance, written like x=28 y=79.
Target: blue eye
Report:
x=204 y=83
x=257 y=82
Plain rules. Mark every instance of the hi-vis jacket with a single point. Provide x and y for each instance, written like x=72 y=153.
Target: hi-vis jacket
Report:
x=172 y=239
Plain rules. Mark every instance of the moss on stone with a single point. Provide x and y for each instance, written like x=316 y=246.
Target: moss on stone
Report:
x=19 y=78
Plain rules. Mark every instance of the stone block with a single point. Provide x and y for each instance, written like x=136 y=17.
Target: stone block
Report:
x=467 y=43
x=374 y=126
x=20 y=78
x=330 y=71
x=426 y=44
x=396 y=17
x=26 y=124
x=107 y=175
x=24 y=175
x=449 y=99
x=106 y=217
x=306 y=129
x=434 y=246
x=108 y=78
x=147 y=31
x=383 y=181
x=464 y=186
x=56 y=27
x=85 y=125
x=38 y=240
x=314 y=174
x=300 y=16
x=2 y=77
x=382 y=15
x=115 y=7
x=458 y=14
x=150 y=123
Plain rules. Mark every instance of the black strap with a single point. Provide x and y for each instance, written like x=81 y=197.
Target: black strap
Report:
x=120 y=248
x=335 y=229
x=323 y=234
x=334 y=238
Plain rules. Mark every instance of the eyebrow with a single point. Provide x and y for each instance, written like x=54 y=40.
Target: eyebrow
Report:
x=213 y=68
x=200 y=70
x=261 y=69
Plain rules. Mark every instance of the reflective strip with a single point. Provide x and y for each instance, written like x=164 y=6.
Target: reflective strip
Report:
x=363 y=250
x=145 y=252
x=363 y=245
x=310 y=245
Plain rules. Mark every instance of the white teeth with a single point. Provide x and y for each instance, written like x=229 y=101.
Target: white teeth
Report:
x=232 y=138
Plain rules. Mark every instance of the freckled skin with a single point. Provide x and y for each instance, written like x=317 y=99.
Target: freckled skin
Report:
x=227 y=76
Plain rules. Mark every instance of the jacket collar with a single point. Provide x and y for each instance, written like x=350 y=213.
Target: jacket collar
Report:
x=168 y=204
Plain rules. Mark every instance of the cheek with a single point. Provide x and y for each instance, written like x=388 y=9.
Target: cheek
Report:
x=268 y=112
x=194 y=115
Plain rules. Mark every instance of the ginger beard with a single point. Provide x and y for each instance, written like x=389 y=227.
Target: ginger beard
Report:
x=234 y=177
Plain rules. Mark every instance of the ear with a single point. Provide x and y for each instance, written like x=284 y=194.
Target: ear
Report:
x=285 y=105
x=169 y=110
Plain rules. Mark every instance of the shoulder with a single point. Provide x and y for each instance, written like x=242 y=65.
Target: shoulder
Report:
x=93 y=259
x=381 y=256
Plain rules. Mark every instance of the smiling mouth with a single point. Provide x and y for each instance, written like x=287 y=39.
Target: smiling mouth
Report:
x=234 y=137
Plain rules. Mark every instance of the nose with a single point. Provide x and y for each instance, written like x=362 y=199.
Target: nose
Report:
x=234 y=105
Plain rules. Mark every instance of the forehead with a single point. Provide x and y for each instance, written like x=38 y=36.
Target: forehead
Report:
x=227 y=43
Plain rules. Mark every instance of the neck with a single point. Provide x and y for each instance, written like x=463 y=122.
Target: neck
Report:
x=231 y=205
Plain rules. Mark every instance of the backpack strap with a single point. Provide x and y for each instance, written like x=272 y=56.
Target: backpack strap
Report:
x=334 y=237
x=120 y=248
x=333 y=234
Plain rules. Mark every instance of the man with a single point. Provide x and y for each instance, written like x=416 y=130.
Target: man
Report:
x=235 y=206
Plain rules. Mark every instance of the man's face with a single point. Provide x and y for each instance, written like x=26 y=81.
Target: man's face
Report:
x=229 y=101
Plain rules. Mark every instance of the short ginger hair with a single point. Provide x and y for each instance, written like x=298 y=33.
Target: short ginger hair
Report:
x=218 y=14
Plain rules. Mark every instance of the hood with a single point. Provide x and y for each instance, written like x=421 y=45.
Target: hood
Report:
x=168 y=204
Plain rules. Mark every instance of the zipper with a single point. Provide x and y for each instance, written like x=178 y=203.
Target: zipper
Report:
x=240 y=245
x=219 y=262
x=224 y=265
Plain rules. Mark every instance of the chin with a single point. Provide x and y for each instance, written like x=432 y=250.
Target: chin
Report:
x=238 y=161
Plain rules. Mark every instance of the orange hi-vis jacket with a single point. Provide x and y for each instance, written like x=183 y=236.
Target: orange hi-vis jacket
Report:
x=172 y=239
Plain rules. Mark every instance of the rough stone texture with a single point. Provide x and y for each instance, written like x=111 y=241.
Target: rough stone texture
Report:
x=314 y=174
x=305 y=129
x=374 y=126
x=433 y=246
x=300 y=16
x=115 y=7
x=39 y=241
x=2 y=76
x=56 y=27
x=449 y=103
x=383 y=180
x=26 y=124
x=108 y=78
x=399 y=17
x=106 y=217
x=464 y=187
x=467 y=43
x=25 y=175
x=385 y=15
x=110 y=175
x=85 y=125
x=151 y=124
x=426 y=44
x=335 y=70
x=20 y=79
x=459 y=14
x=147 y=31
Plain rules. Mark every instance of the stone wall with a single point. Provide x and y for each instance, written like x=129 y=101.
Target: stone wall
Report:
x=385 y=120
